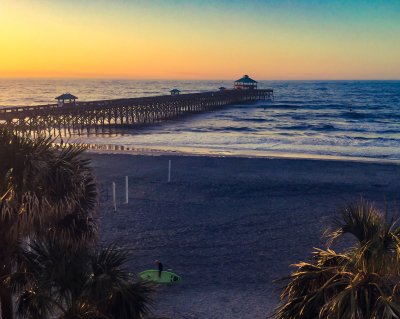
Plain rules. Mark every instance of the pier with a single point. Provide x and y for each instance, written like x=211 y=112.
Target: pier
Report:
x=82 y=117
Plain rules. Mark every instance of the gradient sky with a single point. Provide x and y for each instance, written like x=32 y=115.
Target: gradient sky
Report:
x=183 y=39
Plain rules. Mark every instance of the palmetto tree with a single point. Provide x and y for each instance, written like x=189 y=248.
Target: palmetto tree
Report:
x=54 y=282
x=361 y=282
x=43 y=192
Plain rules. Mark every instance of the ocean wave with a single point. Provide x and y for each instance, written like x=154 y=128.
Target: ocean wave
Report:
x=287 y=101
x=307 y=105
x=376 y=139
x=254 y=120
x=237 y=129
x=356 y=115
x=300 y=117
x=390 y=131
x=305 y=127
x=304 y=117
x=223 y=129
x=277 y=106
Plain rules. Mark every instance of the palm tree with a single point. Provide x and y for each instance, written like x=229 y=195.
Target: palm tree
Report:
x=363 y=281
x=78 y=284
x=43 y=192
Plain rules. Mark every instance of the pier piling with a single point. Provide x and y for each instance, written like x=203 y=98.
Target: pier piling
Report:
x=107 y=114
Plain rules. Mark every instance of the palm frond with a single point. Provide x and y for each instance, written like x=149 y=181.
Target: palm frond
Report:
x=360 y=282
x=131 y=301
x=77 y=282
x=360 y=219
x=32 y=304
x=42 y=187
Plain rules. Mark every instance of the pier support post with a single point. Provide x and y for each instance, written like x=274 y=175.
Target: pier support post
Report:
x=83 y=117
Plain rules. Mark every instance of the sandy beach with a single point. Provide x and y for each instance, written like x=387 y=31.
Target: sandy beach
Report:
x=229 y=226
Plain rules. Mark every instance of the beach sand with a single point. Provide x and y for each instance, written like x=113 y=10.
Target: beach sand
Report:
x=228 y=226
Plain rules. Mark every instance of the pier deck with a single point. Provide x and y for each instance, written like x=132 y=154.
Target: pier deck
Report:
x=98 y=115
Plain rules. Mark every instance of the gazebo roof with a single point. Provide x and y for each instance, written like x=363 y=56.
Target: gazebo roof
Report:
x=66 y=96
x=174 y=90
x=246 y=79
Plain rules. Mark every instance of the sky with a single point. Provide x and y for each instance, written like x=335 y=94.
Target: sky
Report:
x=200 y=39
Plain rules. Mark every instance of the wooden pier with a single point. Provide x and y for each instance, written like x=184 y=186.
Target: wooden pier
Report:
x=83 y=117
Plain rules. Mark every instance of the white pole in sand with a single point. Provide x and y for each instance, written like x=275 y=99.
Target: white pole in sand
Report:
x=126 y=190
x=114 y=197
x=169 y=171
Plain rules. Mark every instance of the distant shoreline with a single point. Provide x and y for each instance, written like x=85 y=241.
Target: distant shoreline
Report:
x=123 y=150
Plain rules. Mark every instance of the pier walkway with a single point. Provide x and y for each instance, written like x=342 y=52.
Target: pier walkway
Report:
x=83 y=117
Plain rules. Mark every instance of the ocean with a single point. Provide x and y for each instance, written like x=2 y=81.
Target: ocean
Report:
x=356 y=120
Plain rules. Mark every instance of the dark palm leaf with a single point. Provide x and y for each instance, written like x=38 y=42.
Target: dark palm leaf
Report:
x=79 y=283
x=44 y=193
x=130 y=301
x=361 y=282
x=49 y=196
x=361 y=220
x=111 y=287
x=33 y=304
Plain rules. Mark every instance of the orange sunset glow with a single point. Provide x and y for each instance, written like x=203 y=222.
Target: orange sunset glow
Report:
x=199 y=40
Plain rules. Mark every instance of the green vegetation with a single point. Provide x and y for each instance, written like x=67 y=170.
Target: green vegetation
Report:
x=48 y=198
x=360 y=282
x=78 y=283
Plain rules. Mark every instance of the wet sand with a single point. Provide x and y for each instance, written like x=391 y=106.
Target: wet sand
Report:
x=229 y=226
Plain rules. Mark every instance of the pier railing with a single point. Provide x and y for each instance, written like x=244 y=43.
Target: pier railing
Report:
x=85 y=116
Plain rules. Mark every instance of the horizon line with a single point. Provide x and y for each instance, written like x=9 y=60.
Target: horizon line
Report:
x=183 y=79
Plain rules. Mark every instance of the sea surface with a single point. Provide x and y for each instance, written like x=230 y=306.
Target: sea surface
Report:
x=358 y=120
